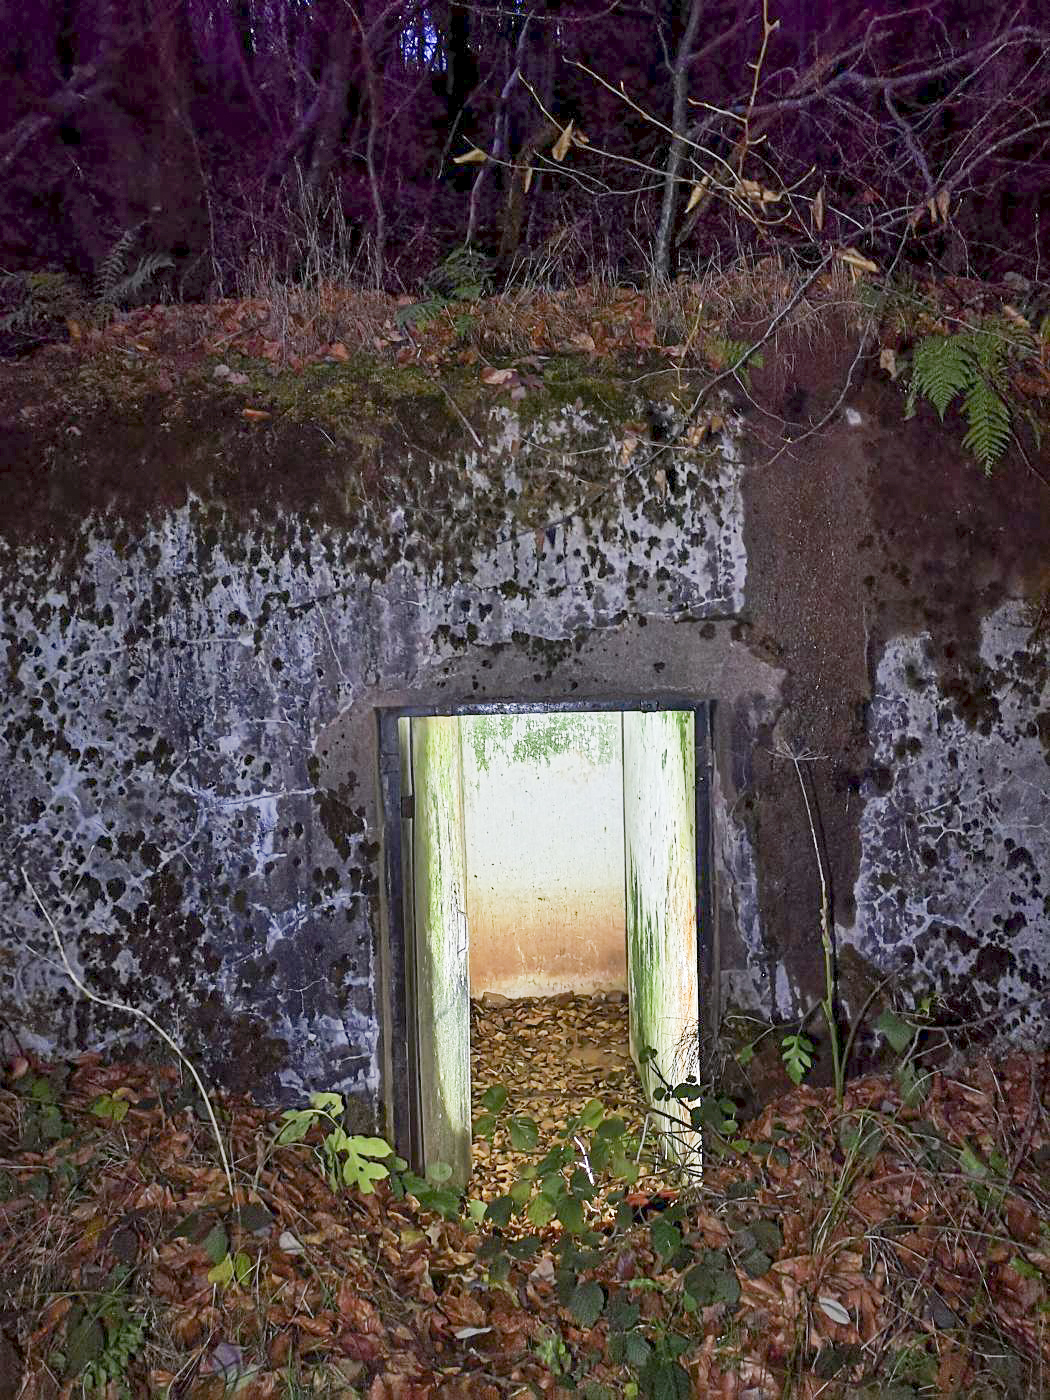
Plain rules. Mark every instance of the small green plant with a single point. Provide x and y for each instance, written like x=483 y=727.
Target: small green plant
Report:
x=903 y=1034
x=40 y=299
x=797 y=1053
x=102 y=1337
x=591 y=1152
x=231 y=1269
x=42 y=1123
x=351 y=1160
x=464 y=276
x=723 y=352
x=554 y=1354
x=124 y=1339
x=711 y=1117
x=110 y=1108
x=432 y=1190
x=48 y=299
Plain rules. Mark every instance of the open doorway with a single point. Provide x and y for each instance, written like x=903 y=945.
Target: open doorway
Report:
x=540 y=857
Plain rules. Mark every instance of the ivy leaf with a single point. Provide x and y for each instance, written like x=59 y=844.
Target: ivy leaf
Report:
x=662 y=1379
x=358 y=1168
x=524 y=1134
x=327 y=1103
x=587 y=1303
x=222 y=1273
x=494 y=1098
x=360 y=1173
x=570 y=1212
x=666 y=1237
x=500 y=1210
x=897 y=1031
x=297 y=1122
x=540 y=1210
x=215 y=1243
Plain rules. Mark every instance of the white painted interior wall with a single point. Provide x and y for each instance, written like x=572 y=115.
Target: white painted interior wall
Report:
x=543 y=818
x=659 y=758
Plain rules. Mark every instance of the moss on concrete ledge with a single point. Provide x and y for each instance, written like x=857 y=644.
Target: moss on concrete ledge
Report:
x=359 y=443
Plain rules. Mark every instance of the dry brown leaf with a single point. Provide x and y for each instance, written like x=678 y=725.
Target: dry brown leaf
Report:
x=816 y=212
x=697 y=193
x=495 y=377
x=853 y=259
x=561 y=147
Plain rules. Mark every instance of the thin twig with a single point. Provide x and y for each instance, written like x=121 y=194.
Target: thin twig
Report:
x=86 y=991
x=825 y=938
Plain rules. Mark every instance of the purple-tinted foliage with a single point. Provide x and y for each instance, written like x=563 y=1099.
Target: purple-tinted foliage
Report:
x=279 y=130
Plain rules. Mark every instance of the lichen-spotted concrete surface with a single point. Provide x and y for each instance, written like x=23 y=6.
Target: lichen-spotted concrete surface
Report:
x=953 y=798
x=200 y=617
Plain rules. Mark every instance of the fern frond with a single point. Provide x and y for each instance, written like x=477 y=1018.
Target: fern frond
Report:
x=111 y=268
x=942 y=367
x=988 y=417
x=723 y=352
x=421 y=313
x=972 y=363
x=146 y=269
x=464 y=275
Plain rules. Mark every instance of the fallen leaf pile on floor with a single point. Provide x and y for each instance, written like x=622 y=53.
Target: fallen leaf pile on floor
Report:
x=882 y=1249
x=556 y=1054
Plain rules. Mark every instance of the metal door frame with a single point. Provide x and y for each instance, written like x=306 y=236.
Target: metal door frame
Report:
x=402 y=1086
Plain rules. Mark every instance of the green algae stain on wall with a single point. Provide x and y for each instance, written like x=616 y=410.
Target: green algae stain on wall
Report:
x=442 y=1001
x=659 y=756
x=537 y=738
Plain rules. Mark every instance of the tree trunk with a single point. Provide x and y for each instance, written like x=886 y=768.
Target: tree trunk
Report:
x=680 y=90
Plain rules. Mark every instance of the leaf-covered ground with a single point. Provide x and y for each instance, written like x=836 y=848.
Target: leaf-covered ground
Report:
x=885 y=1249
x=558 y=1053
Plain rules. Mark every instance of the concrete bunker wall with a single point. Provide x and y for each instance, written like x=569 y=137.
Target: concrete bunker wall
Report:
x=189 y=724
